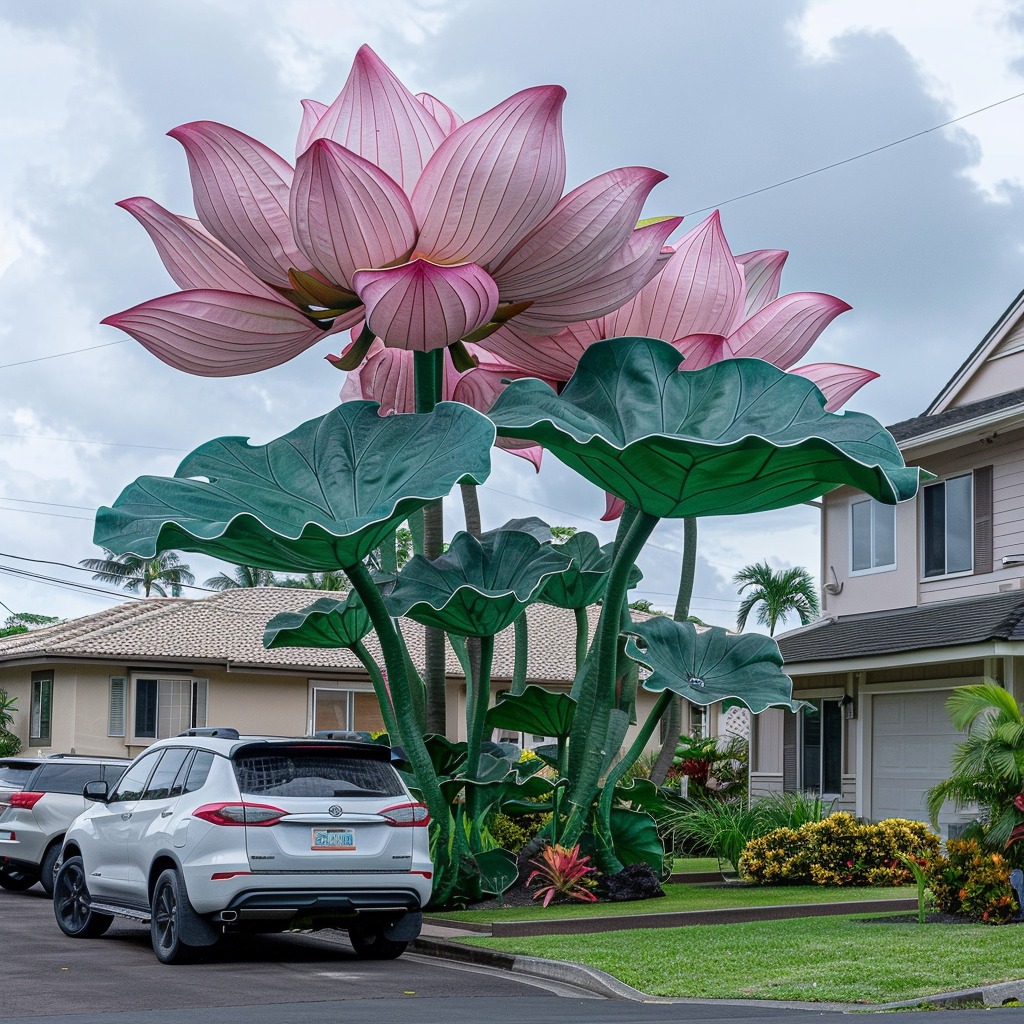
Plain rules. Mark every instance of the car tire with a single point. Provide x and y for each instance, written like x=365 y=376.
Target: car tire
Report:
x=17 y=879
x=71 y=903
x=370 y=944
x=48 y=867
x=170 y=905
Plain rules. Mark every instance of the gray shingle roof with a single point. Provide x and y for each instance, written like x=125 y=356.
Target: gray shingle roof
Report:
x=925 y=424
x=228 y=629
x=944 y=624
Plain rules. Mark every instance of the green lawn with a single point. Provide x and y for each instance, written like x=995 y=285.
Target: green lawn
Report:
x=841 y=959
x=687 y=897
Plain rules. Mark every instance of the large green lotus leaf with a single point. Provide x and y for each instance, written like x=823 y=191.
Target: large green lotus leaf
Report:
x=479 y=585
x=738 y=436
x=533 y=525
x=635 y=838
x=584 y=583
x=535 y=710
x=325 y=623
x=321 y=497
x=709 y=664
x=498 y=870
x=642 y=795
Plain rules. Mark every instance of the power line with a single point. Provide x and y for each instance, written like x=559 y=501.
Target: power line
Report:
x=78 y=440
x=61 y=355
x=851 y=159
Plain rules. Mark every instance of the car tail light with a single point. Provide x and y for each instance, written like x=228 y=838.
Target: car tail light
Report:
x=26 y=800
x=239 y=814
x=406 y=815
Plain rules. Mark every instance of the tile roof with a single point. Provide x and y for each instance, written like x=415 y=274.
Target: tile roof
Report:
x=228 y=629
x=944 y=624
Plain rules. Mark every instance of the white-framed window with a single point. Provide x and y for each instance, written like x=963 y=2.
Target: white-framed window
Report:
x=345 y=709
x=117 y=706
x=948 y=526
x=820 y=739
x=166 y=706
x=872 y=536
x=41 y=712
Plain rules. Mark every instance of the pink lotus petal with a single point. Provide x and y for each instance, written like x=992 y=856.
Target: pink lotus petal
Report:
x=441 y=112
x=218 y=334
x=762 y=273
x=312 y=111
x=241 y=196
x=384 y=376
x=551 y=357
x=837 y=381
x=533 y=453
x=786 y=328
x=347 y=213
x=619 y=280
x=588 y=226
x=423 y=306
x=701 y=350
x=492 y=181
x=192 y=256
x=699 y=291
x=378 y=118
x=613 y=507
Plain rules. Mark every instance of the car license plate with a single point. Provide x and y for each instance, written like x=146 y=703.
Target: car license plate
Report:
x=333 y=839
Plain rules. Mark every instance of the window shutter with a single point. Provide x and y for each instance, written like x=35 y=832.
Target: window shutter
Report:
x=199 y=691
x=789 y=779
x=117 y=707
x=983 y=519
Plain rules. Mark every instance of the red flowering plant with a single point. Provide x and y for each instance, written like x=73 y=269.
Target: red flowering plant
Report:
x=561 y=871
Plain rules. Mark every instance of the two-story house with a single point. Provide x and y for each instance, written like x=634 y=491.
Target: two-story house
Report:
x=918 y=599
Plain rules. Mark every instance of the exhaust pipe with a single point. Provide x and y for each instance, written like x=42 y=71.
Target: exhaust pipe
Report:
x=228 y=916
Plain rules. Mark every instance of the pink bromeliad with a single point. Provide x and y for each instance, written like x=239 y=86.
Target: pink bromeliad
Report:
x=397 y=213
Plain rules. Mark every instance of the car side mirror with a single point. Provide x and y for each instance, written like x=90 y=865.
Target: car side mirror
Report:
x=96 y=791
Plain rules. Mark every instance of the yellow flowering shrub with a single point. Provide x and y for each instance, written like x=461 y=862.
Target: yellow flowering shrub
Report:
x=973 y=882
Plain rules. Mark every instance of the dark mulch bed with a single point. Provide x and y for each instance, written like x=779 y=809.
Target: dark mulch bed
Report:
x=934 y=917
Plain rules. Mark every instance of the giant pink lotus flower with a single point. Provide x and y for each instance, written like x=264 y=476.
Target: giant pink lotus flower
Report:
x=710 y=305
x=396 y=212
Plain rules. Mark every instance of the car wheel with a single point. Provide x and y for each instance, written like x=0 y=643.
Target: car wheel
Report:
x=370 y=944
x=72 y=905
x=17 y=879
x=165 y=926
x=48 y=867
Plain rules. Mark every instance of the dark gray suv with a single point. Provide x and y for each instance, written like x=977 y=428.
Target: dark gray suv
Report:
x=39 y=798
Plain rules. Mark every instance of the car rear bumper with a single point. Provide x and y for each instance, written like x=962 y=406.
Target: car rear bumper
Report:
x=317 y=907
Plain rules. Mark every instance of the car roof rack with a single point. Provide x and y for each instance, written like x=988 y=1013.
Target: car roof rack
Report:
x=223 y=732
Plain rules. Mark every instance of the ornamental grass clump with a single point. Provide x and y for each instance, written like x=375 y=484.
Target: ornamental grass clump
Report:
x=972 y=882
x=562 y=872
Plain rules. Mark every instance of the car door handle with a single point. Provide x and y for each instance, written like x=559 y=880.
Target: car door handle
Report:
x=167 y=813
x=126 y=815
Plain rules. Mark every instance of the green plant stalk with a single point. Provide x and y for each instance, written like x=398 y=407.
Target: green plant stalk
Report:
x=582 y=636
x=591 y=726
x=476 y=714
x=380 y=688
x=922 y=884
x=409 y=730
x=611 y=863
x=521 y=633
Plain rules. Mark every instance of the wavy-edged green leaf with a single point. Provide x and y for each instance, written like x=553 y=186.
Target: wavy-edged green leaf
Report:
x=325 y=623
x=641 y=794
x=635 y=838
x=536 y=711
x=533 y=525
x=321 y=497
x=498 y=870
x=738 y=436
x=478 y=586
x=584 y=584
x=709 y=664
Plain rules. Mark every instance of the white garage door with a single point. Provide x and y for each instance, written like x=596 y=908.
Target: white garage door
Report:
x=912 y=743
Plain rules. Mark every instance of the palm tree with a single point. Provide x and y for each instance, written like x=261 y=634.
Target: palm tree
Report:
x=242 y=577
x=988 y=767
x=156 y=575
x=777 y=593
x=330 y=579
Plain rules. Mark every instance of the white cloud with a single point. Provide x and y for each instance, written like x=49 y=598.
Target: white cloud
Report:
x=965 y=53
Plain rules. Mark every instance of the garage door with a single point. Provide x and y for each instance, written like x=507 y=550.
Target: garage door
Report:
x=912 y=743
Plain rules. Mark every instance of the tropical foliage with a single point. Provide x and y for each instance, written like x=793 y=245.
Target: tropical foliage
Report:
x=163 y=574
x=562 y=872
x=776 y=594
x=241 y=577
x=23 y=622
x=9 y=743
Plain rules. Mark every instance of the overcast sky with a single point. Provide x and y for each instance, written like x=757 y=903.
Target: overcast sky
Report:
x=728 y=97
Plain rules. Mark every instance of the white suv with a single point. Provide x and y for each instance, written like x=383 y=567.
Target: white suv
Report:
x=210 y=832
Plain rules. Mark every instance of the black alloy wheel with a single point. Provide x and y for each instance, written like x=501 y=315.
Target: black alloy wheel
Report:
x=72 y=905
x=165 y=924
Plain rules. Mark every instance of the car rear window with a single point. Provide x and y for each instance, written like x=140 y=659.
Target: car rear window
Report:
x=67 y=778
x=298 y=773
x=13 y=776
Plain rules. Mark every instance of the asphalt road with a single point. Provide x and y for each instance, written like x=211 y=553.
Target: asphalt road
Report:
x=46 y=978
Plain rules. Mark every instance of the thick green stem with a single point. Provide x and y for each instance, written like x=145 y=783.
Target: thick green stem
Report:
x=522 y=637
x=380 y=688
x=582 y=635
x=409 y=734
x=590 y=731
x=476 y=715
